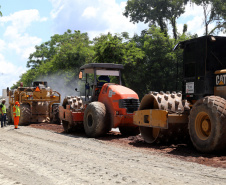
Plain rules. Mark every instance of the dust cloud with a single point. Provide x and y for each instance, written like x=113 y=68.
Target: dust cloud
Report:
x=61 y=84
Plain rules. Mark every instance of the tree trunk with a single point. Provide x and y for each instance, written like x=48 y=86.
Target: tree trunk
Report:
x=173 y=23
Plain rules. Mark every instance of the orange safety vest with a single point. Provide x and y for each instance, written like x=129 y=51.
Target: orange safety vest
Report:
x=14 y=111
x=16 y=115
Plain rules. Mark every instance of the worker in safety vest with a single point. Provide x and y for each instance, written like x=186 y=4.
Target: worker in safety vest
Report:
x=3 y=113
x=16 y=114
x=102 y=80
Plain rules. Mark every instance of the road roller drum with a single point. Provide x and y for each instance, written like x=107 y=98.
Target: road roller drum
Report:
x=163 y=117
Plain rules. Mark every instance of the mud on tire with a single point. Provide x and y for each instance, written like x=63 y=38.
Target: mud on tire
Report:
x=56 y=118
x=25 y=114
x=10 y=115
x=95 y=119
x=207 y=124
x=66 y=126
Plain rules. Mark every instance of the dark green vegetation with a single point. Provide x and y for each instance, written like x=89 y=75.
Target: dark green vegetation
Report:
x=58 y=60
x=157 y=12
x=161 y=12
x=149 y=60
x=0 y=12
x=214 y=11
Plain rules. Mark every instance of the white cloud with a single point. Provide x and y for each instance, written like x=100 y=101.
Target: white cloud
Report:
x=194 y=18
x=23 y=43
x=2 y=45
x=192 y=10
x=196 y=25
x=112 y=15
x=9 y=73
x=11 y=31
x=26 y=52
x=90 y=12
x=99 y=16
x=15 y=33
x=57 y=7
x=9 y=68
x=16 y=44
x=22 y=20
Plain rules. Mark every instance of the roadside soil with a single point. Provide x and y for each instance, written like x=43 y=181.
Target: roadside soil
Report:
x=185 y=152
x=31 y=156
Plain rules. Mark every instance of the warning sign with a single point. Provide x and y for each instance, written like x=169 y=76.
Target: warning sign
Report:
x=37 y=89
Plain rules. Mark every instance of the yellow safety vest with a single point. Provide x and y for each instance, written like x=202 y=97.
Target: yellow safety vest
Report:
x=17 y=111
x=3 y=109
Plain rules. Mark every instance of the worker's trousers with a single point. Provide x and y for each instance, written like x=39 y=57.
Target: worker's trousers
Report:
x=16 y=121
x=3 y=120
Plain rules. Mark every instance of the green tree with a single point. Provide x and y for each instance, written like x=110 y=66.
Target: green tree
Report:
x=161 y=68
x=160 y=61
x=63 y=48
x=116 y=49
x=27 y=78
x=60 y=57
x=214 y=12
x=119 y=49
x=0 y=12
x=156 y=12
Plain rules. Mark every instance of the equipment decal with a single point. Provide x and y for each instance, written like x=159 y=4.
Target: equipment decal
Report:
x=111 y=93
x=221 y=79
x=189 y=87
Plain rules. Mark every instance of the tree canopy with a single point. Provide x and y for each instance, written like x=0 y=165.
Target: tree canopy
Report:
x=150 y=64
x=160 y=12
x=161 y=68
x=149 y=61
x=61 y=56
x=119 y=49
x=214 y=12
x=0 y=12
x=156 y=12
x=116 y=49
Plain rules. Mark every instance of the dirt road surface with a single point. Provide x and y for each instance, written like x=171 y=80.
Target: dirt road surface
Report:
x=34 y=156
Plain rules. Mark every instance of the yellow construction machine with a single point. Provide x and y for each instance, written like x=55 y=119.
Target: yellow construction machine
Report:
x=200 y=110
x=38 y=103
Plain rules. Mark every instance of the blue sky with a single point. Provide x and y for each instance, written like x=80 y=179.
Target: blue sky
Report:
x=27 y=23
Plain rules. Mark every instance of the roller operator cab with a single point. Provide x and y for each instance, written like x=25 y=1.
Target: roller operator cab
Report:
x=199 y=111
x=104 y=103
x=204 y=63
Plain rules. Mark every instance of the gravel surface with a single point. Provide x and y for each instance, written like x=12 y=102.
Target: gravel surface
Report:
x=181 y=151
x=34 y=156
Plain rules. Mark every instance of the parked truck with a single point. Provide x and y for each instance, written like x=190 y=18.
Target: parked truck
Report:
x=101 y=105
x=38 y=103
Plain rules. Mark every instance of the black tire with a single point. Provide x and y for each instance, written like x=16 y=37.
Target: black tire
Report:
x=129 y=131
x=65 y=103
x=66 y=126
x=207 y=124
x=95 y=119
x=25 y=114
x=10 y=115
x=56 y=118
